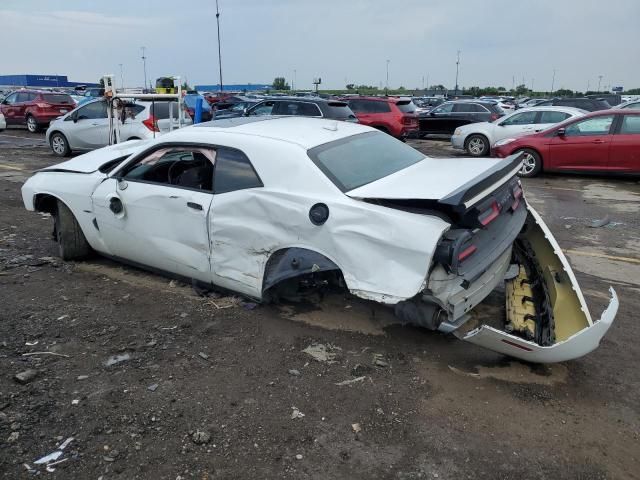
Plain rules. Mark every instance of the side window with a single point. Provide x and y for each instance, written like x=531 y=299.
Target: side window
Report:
x=92 y=111
x=634 y=106
x=31 y=97
x=524 y=118
x=444 y=108
x=553 y=117
x=630 y=125
x=11 y=98
x=184 y=167
x=357 y=106
x=309 y=110
x=591 y=126
x=22 y=97
x=234 y=172
x=379 y=107
x=264 y=108
x=464 y=107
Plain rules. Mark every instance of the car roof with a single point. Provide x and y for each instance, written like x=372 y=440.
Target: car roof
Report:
x=553 y=108
x=305 y=99
x=306 y=132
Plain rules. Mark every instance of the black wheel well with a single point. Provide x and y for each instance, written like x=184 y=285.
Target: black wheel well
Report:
x=44 y=202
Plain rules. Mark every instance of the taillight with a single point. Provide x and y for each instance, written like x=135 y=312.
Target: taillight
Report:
x=494 y=116
x=151 y=123
x=490 y=214
x=453 y=249
x=408 y=120
x=517 y=195
x=43 y=105
x=466 y=253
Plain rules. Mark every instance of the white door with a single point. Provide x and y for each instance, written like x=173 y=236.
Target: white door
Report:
x=515 y=125
x=156 y=212
x=89 y=127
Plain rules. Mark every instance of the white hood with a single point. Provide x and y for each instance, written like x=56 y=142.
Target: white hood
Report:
x=92 y=161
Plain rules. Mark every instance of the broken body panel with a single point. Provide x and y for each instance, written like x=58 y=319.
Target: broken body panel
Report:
x=393 y=240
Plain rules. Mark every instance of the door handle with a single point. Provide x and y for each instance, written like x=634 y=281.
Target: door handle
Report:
x=95 y=124
x=195 y=206
x=598 y=141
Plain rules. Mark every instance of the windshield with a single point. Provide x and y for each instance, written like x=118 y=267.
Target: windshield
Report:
x=361 y=159
x=57 y=98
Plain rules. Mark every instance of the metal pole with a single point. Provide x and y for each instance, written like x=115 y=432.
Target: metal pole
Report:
x=219 y=48
x=293 y=87
x=144 y=66
x=387 y=84
x=553 y=80
x=457 y=69
x=121 y=77
x=599 y=80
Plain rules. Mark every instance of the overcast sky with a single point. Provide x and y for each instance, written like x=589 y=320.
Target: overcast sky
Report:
x=342 y=41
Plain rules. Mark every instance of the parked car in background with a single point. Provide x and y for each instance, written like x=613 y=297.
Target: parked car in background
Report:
x=633 y=105
x=87 y=127
x=426 y=104
x=393 y=115
x=445 y=118
x=89 y=94
x=35 y=108
x=532 y=102
x=190 y=100
x=236 y=110
x=3 y=123
x=280 y=208
x=604 y=141
x=304 y=107
x=476 y=138
x=612 y=99
x=588 y=104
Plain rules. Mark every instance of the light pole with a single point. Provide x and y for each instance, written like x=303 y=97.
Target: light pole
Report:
x=386 y=88
x=457 y=69
x=599 y=80
x=121 y=77
x=293 y=86
x=219 y=48
x=553 y=80
x=144 y=66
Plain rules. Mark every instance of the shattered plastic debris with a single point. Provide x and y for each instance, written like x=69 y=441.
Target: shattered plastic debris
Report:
x=357 y=428
x=321 y=352
x=601 y=222
x=349 y=382
x=296 y=413
x=52 y=459
x=462 y=372
x=115 y=359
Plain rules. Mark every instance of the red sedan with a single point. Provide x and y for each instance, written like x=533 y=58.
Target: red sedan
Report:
x=603 y=141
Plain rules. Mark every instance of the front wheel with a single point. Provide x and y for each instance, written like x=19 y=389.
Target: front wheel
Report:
x=72 y=244
x=477 y=146
x=32 y=124
x=59 y=145
x=531 y=163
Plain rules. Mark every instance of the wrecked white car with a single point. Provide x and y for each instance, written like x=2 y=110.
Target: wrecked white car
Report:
x=274 y=207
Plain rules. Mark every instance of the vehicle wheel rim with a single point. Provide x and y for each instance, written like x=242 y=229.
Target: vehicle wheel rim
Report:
x=58 y=145
x=31 y=124
x=528 y=164
x=476 y=146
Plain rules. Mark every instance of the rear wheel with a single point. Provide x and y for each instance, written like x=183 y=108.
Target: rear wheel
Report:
x=59 y=145
x=72 y=244
x=477 y=145
x=531 y=163
x=32 y=124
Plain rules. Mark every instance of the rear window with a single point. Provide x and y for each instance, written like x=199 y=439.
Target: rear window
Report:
x=339 y=110
x=369 y=106
x=406 y=106
x=56 y=98
x=361 y=159
x=160 y=110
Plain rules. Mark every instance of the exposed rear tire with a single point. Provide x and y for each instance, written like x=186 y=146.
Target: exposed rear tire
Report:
x=59 y=145
x=382 y=129
x=477 y=145
x=531 y=164
x=32 y=124
x=72 y=244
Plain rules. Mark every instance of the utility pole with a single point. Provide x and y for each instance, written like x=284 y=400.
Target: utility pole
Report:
x=386 y=88
x=457 y=69
x=293 y=86
x=219 y=48
x=599 y=80
x=588 y=85
x=144 y=66
x=121 y=77
x=422 y=82
x=553 y=80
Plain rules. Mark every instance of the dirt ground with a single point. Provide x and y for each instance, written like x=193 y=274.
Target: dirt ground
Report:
x=154 y=382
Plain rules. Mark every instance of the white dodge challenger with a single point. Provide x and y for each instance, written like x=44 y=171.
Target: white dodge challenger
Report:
x=275 y=207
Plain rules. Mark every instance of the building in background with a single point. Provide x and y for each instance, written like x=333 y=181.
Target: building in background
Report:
x=40 y=81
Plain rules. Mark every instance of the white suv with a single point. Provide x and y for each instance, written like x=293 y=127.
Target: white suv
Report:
x=87 y=127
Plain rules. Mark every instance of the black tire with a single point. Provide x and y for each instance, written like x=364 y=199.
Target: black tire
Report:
x=383 y=130
x=72 y=244
x=59 y=145
x=477 y=145
x=531 y=164
x=32 y=124
x=133 y=138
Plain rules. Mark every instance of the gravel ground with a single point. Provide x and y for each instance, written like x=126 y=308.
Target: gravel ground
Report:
x=154 y=382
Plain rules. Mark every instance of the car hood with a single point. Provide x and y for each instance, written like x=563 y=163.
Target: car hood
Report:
x=92 y=161
x=454 y=181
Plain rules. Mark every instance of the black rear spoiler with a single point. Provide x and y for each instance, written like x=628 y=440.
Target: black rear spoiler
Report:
x=475 y=190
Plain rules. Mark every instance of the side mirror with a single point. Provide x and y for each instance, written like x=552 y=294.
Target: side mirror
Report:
x=432 y=114
x=561 y=132
x=245 y=112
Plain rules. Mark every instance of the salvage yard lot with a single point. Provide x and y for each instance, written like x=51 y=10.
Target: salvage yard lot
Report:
x=208 y=387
